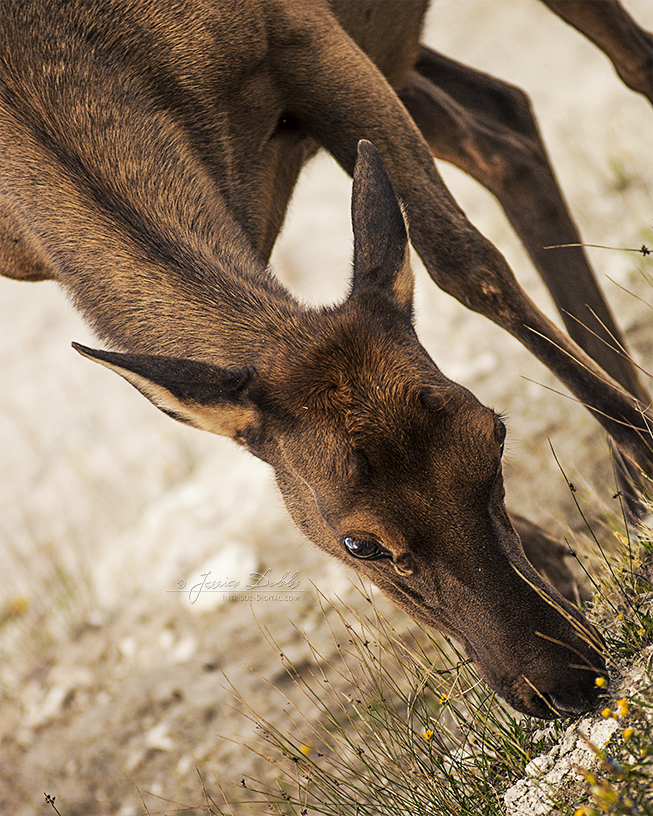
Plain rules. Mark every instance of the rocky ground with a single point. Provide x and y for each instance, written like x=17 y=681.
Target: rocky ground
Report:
x=113 y=682
x=558 y=771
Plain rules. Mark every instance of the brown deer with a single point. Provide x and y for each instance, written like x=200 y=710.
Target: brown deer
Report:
x=149 y=149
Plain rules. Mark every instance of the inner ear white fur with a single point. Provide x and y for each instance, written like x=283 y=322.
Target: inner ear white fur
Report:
x=223 y=418
x=404 y=283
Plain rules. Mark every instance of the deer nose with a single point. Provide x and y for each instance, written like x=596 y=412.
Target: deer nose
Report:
x=577 y=699
x=572 y=704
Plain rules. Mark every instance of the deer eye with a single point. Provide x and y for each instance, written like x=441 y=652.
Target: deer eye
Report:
x=365 y=548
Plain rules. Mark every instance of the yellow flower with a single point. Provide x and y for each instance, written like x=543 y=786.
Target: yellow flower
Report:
x=628 y=733
x=443 y=699
x=600 y=682
x=624 y=709
x=428 y=735
x=607 y=712
x=620 y=616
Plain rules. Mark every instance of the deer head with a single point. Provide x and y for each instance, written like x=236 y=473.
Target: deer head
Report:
x=390 y=466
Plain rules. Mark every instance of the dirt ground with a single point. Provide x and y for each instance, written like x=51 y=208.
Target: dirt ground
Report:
x=112 y=673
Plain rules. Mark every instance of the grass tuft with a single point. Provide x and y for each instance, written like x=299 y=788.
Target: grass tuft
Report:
x=401 y=723
x=392 y=733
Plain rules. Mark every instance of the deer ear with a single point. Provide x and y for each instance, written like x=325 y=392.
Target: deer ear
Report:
x=205 y=396
x=381 y=251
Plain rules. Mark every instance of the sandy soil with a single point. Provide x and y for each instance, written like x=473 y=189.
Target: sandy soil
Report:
x=110 y=678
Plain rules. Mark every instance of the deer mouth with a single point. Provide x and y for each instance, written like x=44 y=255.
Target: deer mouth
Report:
x=576 y=699
x=570 y=694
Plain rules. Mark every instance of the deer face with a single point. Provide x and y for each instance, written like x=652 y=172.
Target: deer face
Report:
x=391 y=467
x=396 y=470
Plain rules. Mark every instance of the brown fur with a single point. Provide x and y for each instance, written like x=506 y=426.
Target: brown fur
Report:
x=148 y=153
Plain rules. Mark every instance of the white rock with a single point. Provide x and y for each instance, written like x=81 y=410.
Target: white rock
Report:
x=548 y=772
x=539 y=765
x=158 y=738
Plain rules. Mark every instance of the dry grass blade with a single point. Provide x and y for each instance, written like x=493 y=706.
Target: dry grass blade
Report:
x=615 y=345
x=643 y=250
x=403 y=725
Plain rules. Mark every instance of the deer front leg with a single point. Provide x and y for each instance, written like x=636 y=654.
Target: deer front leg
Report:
x=609 y=26
x=340 y=97
x=486 y=128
